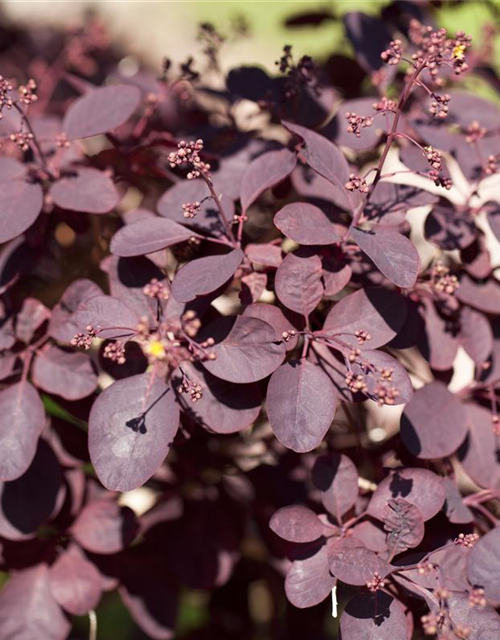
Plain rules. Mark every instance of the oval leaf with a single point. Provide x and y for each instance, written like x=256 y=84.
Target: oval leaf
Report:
x=306 y=224
x=337 y=478
x=404 y=525
x=483 y=565
x=21 y=204
x=301 y=405
x=357 y=565
x=89 y=191
x=296 y=524
x=104 y=527
x=110 y=317
x=66 y=374
x=376 y=616
x=147 y=236
x=309 y=581
x=298 y=283
x=75 y=582
x=131 y=427
x=266 y=171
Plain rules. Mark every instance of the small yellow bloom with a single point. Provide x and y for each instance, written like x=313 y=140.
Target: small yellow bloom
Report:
x=156 y=349
x=459 y=52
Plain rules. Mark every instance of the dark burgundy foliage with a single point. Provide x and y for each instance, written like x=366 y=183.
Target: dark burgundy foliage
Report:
x=257 y=330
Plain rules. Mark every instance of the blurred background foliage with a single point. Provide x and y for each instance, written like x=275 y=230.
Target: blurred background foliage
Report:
x=256 y=31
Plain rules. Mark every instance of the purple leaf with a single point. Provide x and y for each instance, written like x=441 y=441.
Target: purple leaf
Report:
x=147 y=236
x=322 y=155
x=479 y=454
x=268 y=255
x=456 y=511
x=392 y=253
x=21 y=423
x=110 y=317
x=89 y=191
x=335 y=276
x=66 y=374
x=309 y=581
x=224 y=407
x=31 y=317
x=273 y=316
x=298 y=283
x=493 y=217
x=399 y=381
x=131 y=427
x=476 y=336
x=483 y=565
x=391 y=201
x=104 y=527
x=75 y=582
x=404 y=525
x=28 y=610
x=249 y=353
x=62 y=325
x=266 y=171
x=376 y=616
x=369 y=36
x=357 y=565
x=434 y=423
x=306 y=224
x=204 y=275
x=21 y=203
x=438 y=342
x=449 y=228
x=420 y=487
x=301 y=404
x=379 y=311
x=28 y=501
x=337 y=128
x=296 y=524
x=336 y=477
x=483 y=623
x=100 y=110
x=485 y=297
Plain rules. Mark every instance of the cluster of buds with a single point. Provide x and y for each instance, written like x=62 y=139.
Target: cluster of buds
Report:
x=435 y=159
x=356 y=383
x=439 y=105
x=362 y=336
x=156 y=290
x=376 y=583
x=288 y=335
x=299 y=75
x=442 y=281
x=115 y=351
x=188 y=153
x=21 y=139
x=475 y=132
x=27 y=93
x=354 y=355
x=84 y=339
x=356 y=123
x=191 y=323
x=62 y=141
x=431 y=623
x=385 y=104
x=425 y=568
x=436 y=49
x=492 y=165
x=191 y=209
x=466 y=540
x=356 y=184
x=5 y=98
x=477 y=599
x=393 y=54
x=386 y=395
x=194 y=390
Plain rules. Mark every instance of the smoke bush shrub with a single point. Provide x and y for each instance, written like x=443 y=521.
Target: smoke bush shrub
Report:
x=230 y=313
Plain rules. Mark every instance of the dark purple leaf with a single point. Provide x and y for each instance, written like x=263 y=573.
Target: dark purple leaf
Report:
x=28 y=610
x=75 y=582
x=357 y=565
x=17 y=258
x=399 y=385
x=21 y=203
x=204 y=275
x=404 y=525
x=434 y=423
x=301 y=404
x=476 y=336
x=483 y=565
x=296 y=524
x=309 y=581
x=392 y=253
x=391 y=201
x=131 y=427
x=224 y=407
x=268 y=255
x=420 y=487
x=438 y=341
x=298 y=283
x=483 y=623
x=27 y=502
x=456 y=511
x=485 y=297
x=374 y=616
x=336 y=477
x=100 y=110
x=337 y=128
x=322 y=155
x=306 y=224
x=449 y=228
x=62 y=325
x=249 y=353
x=148 y=236
x=89 y=191
x=273 y=316
x=480 y=453
x=110 y=317
x=104 y=527
x=493 y=216
x=335 y=277
x=253 y=286
x=369 y=36
x=379 y=311
x=266 y=171
x=66 y=374
x=21 y=423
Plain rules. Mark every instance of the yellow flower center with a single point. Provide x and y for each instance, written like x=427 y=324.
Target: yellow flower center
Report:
x=459 y=51
x=156 y=349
